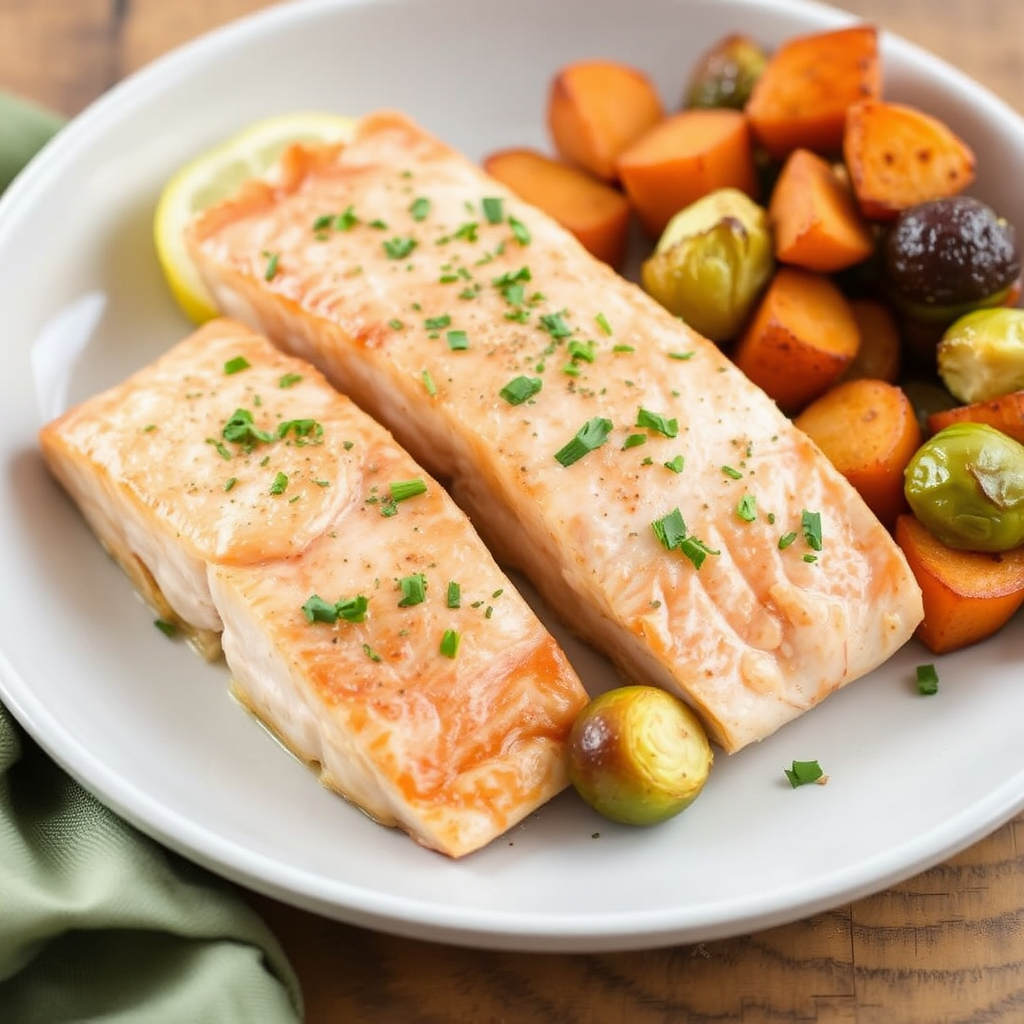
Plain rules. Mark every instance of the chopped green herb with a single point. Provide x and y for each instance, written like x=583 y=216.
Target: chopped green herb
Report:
x=230 y=482
x=514 y=294
x=414 y=590
x=785 y=540
x=395 y=324
x=371 y=653
x=734 y=474
x=602 y=322
x=803 y=773
x=316 y=609
x=221 y=450
x=289 y=380
x=676 y=464
x=591 y=435
x=450 y=643
x=399 y=248
x=378 y=224
x=493 y=209
x=670 y=529
x=236 y=365
x=680 y=355
x=623 y=348
x=512 y=277
x=305 y=431
x=747 y=508
x=520 y=389
x=810 y=558
x=555 y=325
x=241 y=429
x=634 y=441
x=346 y=220
x=271 y=269
x=580 y=350
x=811 y=525
x=352 y=609
x=458 y=341
x=435 y=323
x=322 y=483
x=927 y=680
x=428 y=383
x=165 y=627
x=467 y=231
x=454 y=599
x=323 y=222
x=403 y=489
x=696 y=550
x=420 y=208
x=520 y=231
x=280 y=484
x=656 y=422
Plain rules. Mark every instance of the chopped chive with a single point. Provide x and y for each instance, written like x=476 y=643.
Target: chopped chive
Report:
x=512 y=277
x=927 y=680
x=623 y=348
x=676 y=464
x=435 y=323
x=346 y=220
x=696 y=550
x=271 y=269
x=371 y=653
x=449 y=646
x=316 y=609
x=811 y=525
x=323 y=222
x=378 y=224
x=520 y=389
x=735 y=474
x=395 y=324
x=289 y=380
x=680 y=355
x=602 y=322
x=591 y=435
x=420 y=208
x=656 y=422
x=403 y=489
x=399 y=248
x=165 y=627
x=280 y=484
x=467 y=231
x=804 y=772
x=305 y=431
x=221 y=450
x=457 y=341
x=428 y=383
x=454 y=597
x=555 y=325
x=810 y=558
x=582 y=350
x=746 y=509
x=493 y=208
x=634 y=441
x=230 y=482
x=241 y=429
x=353 y=609
x=236 y=365
x=520 y=231
x=414 y=590
x=785 y=540
x=670 y=529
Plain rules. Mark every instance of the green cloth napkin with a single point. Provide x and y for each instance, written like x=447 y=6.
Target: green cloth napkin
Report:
x=98 y=922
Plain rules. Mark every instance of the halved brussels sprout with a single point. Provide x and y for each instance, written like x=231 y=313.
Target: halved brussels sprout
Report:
x=966 y=485
x=712 y=262
x=638 y=755
x=725 y=75
x=981 y=355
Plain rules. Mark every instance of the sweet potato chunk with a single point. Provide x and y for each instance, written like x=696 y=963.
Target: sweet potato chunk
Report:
x=898 y=156
x=801 y=339
x=596 y=213
x=968 y=595
x=682 y=159
x=879 y=355
x=802 y=96
x=1005 y=413
x=597 y=108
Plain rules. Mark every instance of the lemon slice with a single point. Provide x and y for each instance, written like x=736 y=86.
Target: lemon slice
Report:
x=216 y=174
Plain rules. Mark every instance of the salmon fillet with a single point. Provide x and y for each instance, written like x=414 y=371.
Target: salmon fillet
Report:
x=365 y=623
x=659 y=501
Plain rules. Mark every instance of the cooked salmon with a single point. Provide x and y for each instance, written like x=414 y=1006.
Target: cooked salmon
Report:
x=361 y=616
x=660 y=502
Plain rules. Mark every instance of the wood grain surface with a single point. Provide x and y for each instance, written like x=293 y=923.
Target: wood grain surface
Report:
x=946 y=947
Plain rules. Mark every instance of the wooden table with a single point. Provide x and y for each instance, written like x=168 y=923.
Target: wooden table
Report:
x=946 y=946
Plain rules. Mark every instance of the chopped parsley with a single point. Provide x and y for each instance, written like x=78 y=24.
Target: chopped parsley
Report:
x=927 y=680
x=270 y=272
x=520 y=232
x=656 y=422
x=590 y=436
x=494 y=209
x=520 y=389
x=420 y=208
x=236 y=365
x=371 y=653
x=785 y=540
x=414 y=590
x=810 y=522
x=435 y=323
x=747 y=508
x=399 y=248
x=602 y=322
x=305 y=431
x=634 y=441
x=230 y=483
x=676 y=464
x=289 y=380
x=280 y=484
x=458 y=341
x=165 y=627
x=671 y=531
x=803 y=773
x=241 y=429
x=349 y=609
x=555 y=325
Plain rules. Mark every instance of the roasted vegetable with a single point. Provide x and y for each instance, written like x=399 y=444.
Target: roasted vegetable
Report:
x=966 y=485
x=879 y=354
x=638 y=755
x=981 y=355
x=945 y=257
x=712 y=262
x=684 y=158
x=595 y=109
x=725 y=75
x=898 y=156
x=1005 y=413
x=967 y=595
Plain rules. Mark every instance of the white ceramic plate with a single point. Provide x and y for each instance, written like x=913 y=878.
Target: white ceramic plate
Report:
x=153 y=731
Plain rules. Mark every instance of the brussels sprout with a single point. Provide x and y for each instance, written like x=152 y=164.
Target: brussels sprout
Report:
x=638 y=755
x=966 y=485
x=724 y=76
x=711 y=263
x=945 y=257
x=981 y=355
